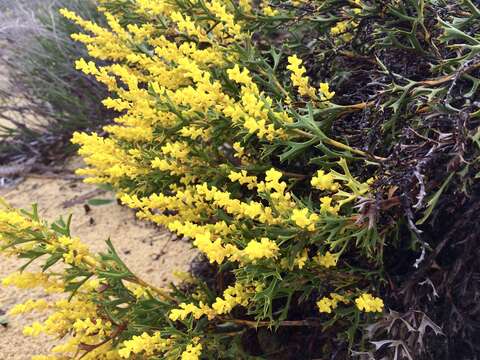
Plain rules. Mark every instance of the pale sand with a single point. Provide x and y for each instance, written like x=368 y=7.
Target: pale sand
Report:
x=147 y=250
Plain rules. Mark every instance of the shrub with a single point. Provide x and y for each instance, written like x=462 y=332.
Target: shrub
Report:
x=44 y=99
x=305 y=155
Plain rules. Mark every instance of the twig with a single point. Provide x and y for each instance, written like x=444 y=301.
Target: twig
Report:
x=256 y=324
x=53 y=176
x=82 y=198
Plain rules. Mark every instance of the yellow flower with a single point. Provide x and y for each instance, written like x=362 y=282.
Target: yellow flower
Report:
x=323 y=181
x=325 y=93
x=242 y=178
x=326 y=305
x=28 y=306
x=265 y=248
x=326 y=205
x=272 y=180
x=192 y=352
x=304 y=219
x=267 y=9
x=298 y=77
x=240 y=76
x=301 y=259
x=340 y=27
x=368 y=303
x=328 y=260
x=145 y=343
x=239 y=150
x=34 y=330
x=185 y=310
x=245 y=5
x=232 y=296
x=213 y=249
x=27 y=280
x=75 y=250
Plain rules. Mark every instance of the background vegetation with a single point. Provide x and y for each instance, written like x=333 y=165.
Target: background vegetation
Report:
x=43 y=99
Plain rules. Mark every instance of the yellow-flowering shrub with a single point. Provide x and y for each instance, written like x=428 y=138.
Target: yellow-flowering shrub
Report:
x=322 y=156
x=219 y=141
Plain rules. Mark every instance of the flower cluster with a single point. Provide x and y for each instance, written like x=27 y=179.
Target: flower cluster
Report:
x=369 y=303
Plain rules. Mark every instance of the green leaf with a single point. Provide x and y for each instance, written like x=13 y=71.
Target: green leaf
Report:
x=433 y=201
x=99 y=202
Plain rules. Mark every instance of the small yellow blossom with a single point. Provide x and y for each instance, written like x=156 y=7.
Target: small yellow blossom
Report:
x=299 y=80
x=323 y=181
x=326 y=305
x=267 y=9
x=328 y=260
x=192 y=352
x=76 y=251
x=304 y=219
x=263 y=249
x=34 y=330
x=325 y=93
x=368 y=303
x=240 y=76
x=28 y=306
x=144 y=343
x=242 y=178
x=326 y=206
x=301 y=259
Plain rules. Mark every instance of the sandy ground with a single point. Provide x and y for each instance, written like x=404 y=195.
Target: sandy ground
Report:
x=147 y=250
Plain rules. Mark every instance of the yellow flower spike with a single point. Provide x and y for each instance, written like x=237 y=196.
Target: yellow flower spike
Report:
x=29 y=306
x=27 y=280
x=325 y=93
x=239 y=150
x=340 y=27
x=299 y=80
x=339 y=298
x=219 y=9
x=232 y=296
x=76 y=251
x=187 y=25
x=152 y=8
x=185 y=310
x=267 y=9
x=246 y=5
x=143 y=344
